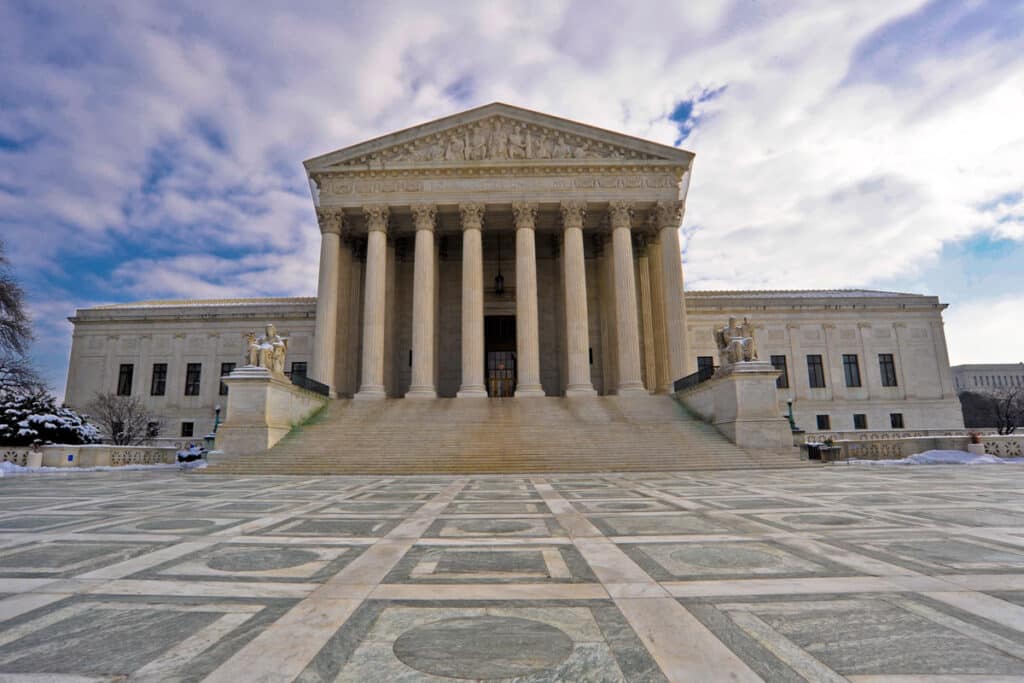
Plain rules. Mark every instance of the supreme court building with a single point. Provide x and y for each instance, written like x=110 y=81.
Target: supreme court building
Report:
x=501 y=252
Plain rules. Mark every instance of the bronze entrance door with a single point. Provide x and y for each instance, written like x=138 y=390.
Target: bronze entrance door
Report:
x=500 y=352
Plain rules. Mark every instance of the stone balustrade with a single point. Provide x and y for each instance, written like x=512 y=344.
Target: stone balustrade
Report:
x=91 y=455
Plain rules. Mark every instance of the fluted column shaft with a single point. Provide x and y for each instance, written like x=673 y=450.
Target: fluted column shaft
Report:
x=375 y=297
x=627 y=328
x=669 y=216
x=472 y=302
x=327 y=288
x=643 y=272
x=422 y=385
x=577 y=333
x=662 y=380
x=527 y=327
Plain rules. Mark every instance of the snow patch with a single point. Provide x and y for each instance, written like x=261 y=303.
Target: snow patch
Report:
x=943 y=458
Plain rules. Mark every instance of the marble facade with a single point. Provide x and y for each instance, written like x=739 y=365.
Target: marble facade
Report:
x=582 y=225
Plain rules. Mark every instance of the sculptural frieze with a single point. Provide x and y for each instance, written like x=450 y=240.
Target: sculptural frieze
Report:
x=268 y=351
x=736 y=343
x=498 y=139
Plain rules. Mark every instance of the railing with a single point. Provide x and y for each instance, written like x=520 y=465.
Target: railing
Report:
x=690 y=381
x=310 y=384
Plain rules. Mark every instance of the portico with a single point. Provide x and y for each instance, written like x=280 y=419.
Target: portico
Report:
x=580 y=223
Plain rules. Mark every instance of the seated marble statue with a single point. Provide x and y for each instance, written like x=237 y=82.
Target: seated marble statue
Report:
x=736 y=343
x=268 y=351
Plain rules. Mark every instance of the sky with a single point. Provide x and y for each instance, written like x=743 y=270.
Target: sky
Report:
x=153 y=150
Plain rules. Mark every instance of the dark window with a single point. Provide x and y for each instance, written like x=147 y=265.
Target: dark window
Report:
x=705 y=366
x=888 y=368
x=159 y=385
x=193 y=373
x=299 y=368
x=896 y=420
x=815 y=371
x=824 y=422
x=124 y=379
x=851 y=369
x=860 y=421
x=779 y=363
x=225 y=369
x=187 y=428
x=152 y=430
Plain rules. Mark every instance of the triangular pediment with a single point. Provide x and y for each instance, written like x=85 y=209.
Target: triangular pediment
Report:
x=497 y=134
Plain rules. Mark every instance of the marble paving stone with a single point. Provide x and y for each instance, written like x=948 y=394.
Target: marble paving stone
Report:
x=330 y=526
x=502 y=528
x=660 y=525
x=912 y=575
x=491 y=564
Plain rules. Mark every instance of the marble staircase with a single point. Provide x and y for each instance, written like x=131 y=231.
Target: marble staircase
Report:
x=407 y=436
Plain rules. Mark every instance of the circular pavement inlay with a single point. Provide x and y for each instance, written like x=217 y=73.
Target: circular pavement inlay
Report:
x=175 y=524
x=259 y=559
x=492 y=526
x=484 y=648
x=820 y=519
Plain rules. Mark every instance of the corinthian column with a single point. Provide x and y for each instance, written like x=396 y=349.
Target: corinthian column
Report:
x=472 y=302
x=664 y=382
x=577 y=334
x=527 y=328
x=327 y=285
x=422 y=385
x=669 y=216
x=627 y=328
x=375 y=292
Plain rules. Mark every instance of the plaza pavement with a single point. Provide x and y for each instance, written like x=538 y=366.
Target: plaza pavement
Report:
x=866 y=574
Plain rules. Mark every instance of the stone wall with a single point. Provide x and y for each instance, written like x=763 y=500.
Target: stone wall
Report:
x=91 y=455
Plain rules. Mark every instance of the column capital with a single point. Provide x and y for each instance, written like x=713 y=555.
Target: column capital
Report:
x=668 y=214
x=472 y=216
x=525 y=214
x=573 y=214
x=376 y=217
x=331 y=220
x=620 y=214
x=424 y=216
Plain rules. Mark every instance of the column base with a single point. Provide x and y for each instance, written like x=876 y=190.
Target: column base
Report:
x=421 y=392
x=370 y=393
x=472 y=391
x=529 y=391
x=631 y=389
x=580 y=390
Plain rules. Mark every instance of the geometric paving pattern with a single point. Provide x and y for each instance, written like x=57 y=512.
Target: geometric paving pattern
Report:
x=837 y=573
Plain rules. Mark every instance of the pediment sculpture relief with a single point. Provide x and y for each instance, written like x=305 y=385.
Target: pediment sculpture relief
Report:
x=499 y=139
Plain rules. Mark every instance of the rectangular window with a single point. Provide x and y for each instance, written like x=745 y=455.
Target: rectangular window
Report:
x=159 y=384
x=851 y=369
x=860 y=421
x=225 y=370
x=815 y=371
x=896 y=420
x=824 y=422
x=187 y=428
x=299 y=369
x=779 y=363
x=124 y=379
x=193 y=373
x=888 y=367
x=152 y=430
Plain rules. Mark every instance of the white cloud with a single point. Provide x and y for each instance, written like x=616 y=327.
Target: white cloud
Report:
x=986 y=329
x=181 y=133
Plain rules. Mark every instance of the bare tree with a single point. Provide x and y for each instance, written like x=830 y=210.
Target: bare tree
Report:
x=124 y=420
x=1008 y=405
x=18 y=377
x=15 y=324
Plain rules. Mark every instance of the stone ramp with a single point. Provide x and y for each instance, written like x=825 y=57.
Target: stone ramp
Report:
x=407 y=436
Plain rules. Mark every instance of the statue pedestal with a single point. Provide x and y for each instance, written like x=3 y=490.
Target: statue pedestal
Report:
x=741 y=401
x=262 y=407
